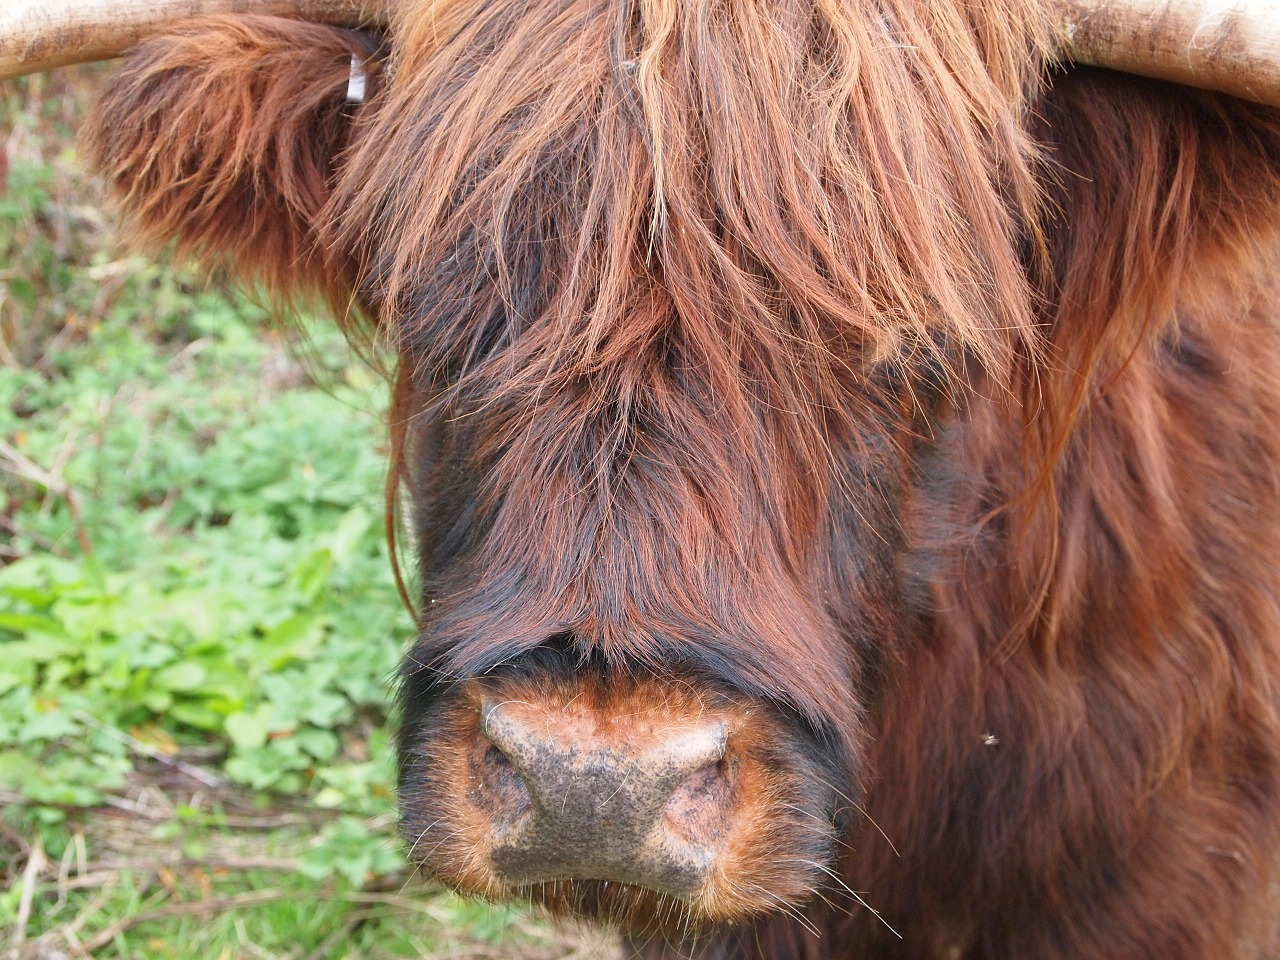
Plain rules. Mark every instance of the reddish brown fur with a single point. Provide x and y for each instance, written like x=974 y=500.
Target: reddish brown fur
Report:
x=814 y=347
x=224 y=138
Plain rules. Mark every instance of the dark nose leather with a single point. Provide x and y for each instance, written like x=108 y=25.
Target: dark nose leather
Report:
x=604 y=810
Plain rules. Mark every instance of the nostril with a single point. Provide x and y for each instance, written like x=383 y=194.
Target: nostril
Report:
x=500 y=785
x=497 y=762
x=697 y=809
x=706 y=777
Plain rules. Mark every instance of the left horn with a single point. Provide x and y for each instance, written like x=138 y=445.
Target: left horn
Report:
x=1232 y=46
x=38 y=35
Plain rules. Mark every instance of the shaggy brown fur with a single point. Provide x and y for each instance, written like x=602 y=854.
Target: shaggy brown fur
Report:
x=843 y=360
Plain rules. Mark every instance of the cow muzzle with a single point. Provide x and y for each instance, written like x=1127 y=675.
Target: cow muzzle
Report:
x=641 y=802
x=645 y=804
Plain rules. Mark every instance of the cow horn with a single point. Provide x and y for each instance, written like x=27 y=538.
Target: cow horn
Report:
x=1232 y=46
x=38 y=35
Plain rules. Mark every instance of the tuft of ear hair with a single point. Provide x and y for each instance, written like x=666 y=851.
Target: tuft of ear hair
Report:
x=225 y=135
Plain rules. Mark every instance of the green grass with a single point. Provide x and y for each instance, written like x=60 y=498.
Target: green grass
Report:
x=198 y=624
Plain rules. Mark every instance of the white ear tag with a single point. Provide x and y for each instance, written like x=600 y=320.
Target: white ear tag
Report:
x=357 y=81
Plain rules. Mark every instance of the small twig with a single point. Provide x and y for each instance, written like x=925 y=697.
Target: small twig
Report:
x=71 y=937
x=283 y=864
x=393 y=900
x=196 y=773
x=242 y=934
x=64 y=874
x=35 y=864
x=273 y=823
x=10 y=834
x=72 y=930
x=180 y=360
x=14 y=460
x=52 y=346
x=10 y=527
x=108 y=283
x=82 y=853
x=86 y=880
x=23 y=466
x=82 y=533
x=6 y=355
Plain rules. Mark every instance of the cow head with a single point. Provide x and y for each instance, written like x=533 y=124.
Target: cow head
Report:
x=686 y=299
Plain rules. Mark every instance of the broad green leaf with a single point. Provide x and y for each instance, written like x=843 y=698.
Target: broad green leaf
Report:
x=180 y=677
x=248 y=731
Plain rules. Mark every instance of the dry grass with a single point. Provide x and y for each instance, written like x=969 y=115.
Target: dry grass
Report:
x=118 y=855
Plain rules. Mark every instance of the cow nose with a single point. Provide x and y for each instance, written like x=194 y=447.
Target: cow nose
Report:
x=643 y=810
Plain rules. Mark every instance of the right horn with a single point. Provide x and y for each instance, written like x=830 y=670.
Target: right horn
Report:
x=1232 y=46
x=38 y=35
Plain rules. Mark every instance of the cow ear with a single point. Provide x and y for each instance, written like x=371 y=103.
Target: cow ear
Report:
x=1154 y=182
x=225 y=135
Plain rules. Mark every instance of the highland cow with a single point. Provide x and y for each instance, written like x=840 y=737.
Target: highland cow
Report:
x=842 y=447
